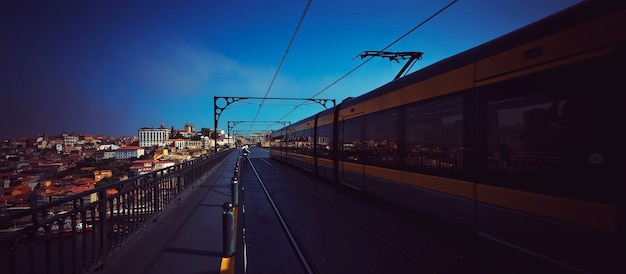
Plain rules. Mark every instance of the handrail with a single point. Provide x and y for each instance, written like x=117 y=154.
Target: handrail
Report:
x=77 y=233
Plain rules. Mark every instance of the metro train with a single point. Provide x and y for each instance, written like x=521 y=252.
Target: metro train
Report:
x=517 y=140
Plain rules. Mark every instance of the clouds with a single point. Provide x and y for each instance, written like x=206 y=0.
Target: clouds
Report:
x=102 y=67
x=184 y=69
x=188 y=70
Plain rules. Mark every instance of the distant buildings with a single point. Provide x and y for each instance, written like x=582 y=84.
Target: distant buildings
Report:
x=129 y=152
x=146 y=166
x=142 y=167
x=187 y=138
x=70 y=140
x=46 y=168
x=154 y=136
x=188 y=132
x=98 y=175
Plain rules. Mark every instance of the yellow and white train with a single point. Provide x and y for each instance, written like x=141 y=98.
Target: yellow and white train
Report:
x=518 y=139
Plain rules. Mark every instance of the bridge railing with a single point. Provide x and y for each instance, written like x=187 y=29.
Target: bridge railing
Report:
x=77 y=233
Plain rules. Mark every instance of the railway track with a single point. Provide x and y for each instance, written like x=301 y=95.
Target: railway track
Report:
x=308 y=266
x=329 y=228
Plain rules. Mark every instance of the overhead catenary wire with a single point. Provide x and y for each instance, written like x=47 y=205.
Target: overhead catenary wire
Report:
x=370 y=58
x=293 y=37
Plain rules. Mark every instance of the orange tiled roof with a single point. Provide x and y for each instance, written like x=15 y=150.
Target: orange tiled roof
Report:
x=84 y=181
x=81 y=189
x=7 y=198
x=22 y=188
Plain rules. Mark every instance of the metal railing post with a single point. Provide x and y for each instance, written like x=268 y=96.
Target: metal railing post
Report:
x=234 y=194
x=102 y=225
x=156 y=196
x=228 y=235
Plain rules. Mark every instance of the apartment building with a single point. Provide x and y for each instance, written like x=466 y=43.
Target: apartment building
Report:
x=129 y=152
x=149 y=136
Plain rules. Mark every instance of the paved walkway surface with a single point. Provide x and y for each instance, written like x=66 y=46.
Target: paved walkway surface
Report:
x=187 y=237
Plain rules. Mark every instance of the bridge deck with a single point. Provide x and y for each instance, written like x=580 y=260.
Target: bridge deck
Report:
x=187 y=238
x=339 y=230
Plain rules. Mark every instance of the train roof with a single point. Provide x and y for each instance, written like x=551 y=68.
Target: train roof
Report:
x=566 y=18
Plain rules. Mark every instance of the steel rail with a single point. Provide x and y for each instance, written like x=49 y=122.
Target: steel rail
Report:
x=304 y=259
x=344 y=213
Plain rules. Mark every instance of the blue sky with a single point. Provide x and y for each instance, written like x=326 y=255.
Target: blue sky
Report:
x=112 y=67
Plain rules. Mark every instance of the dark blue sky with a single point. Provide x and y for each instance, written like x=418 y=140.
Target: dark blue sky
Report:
x=112 y=67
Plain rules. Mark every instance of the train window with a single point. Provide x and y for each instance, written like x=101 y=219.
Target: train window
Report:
x=291 y=140
x=302 y=142
x=324 y=141
x=546 y=135
x=381 y=138
x=434 y=136
x=525 y=139
x=352 y=140
x=277 y=140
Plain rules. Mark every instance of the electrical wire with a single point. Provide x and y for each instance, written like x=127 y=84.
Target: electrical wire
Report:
x=370 y=58
x=293 y=37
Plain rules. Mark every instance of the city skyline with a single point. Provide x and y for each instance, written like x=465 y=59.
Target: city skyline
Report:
x=106 y=68
x=91 y=134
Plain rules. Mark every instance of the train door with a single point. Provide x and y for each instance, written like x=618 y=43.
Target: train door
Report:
x=315 y=141
x=351 y=154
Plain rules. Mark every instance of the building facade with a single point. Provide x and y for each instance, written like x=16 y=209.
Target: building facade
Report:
x=129 y=152
x=154 y=136
x=70 y=140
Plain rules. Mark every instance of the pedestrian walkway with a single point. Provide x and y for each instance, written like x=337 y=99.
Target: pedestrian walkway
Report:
x=186 y=238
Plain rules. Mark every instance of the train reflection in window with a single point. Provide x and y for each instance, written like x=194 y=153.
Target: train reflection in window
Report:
x=434 y=135
x=525 y=134
x=381 y=138
x=324 y=141
x=352 y=137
